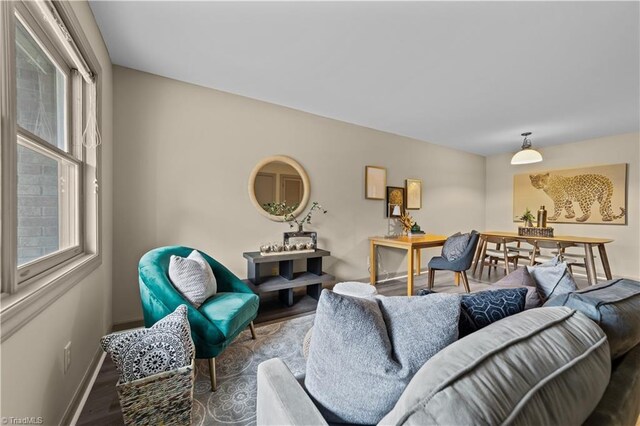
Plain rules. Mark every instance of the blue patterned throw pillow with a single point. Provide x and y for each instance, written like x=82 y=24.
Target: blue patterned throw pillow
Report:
x=165 y=346
x=482 y=308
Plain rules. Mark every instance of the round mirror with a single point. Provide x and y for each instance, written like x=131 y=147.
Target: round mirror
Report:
x=279 y=186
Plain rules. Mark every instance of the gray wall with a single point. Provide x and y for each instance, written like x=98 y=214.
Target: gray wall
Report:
x=624 y=252
x=184 y=154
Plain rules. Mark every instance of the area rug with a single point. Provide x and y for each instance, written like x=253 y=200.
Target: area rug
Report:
x=234 y=403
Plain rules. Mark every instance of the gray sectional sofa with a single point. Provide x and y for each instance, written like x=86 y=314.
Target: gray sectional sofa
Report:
x=551 y=365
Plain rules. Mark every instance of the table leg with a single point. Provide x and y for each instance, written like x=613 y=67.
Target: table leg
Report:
x=418 y=261
x=592 y=278
x=506 y=260
x=456 y=278
x=372 y=263
x=409 y=273
x=605 y=261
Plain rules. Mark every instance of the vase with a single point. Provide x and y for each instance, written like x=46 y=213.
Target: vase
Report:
x=300 y=227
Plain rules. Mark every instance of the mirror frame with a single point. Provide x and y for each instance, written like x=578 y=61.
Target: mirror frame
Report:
x=305 y=183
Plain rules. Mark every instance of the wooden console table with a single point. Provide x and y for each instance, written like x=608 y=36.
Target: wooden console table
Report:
x=258 y=266
x=587 y=243
x=412 y=245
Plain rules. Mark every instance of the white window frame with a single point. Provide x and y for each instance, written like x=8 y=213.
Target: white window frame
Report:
x=30 y=288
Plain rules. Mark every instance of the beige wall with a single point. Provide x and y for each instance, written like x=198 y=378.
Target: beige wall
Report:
x=624 y=252
x=184 y=153
x=33 y=382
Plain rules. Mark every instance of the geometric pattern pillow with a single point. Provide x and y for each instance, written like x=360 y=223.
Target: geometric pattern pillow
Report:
x=192 y=276
x=480 y=309
x=552 y=278
x=165 y=346
x=455 y=245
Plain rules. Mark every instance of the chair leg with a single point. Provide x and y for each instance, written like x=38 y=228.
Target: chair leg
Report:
x=253 y=330
x=431 y=278
x=212 y=373
x=465 y=281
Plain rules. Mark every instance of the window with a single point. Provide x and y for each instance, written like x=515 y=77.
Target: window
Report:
x=49 y=176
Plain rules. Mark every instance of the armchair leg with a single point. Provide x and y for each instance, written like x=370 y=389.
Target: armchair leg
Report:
x=253 y=330
x=212 y=373
x=431 y=278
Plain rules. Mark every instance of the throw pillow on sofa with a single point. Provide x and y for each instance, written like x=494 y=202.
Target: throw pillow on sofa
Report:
x=546 y=366
x=481 y=309
x=165 y=346
x=192 y=276
x=478 y=310
x=552 y=278
x=455 y=245
x=614 y=306
x=520 y=278
x=364 y=352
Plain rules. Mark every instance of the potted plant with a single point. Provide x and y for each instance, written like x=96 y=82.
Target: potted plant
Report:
x=527 y=218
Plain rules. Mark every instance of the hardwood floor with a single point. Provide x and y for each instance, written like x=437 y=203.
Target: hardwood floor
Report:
x=103 y=408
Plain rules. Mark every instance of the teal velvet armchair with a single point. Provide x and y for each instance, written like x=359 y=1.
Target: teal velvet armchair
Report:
x=220 y=318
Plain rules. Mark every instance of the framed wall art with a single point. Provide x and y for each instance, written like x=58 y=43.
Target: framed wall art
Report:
x=395 y=201
x=596 y=194
x=375 y=182
x=413 y=190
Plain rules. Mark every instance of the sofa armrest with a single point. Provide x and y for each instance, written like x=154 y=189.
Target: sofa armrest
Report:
x=281 y=399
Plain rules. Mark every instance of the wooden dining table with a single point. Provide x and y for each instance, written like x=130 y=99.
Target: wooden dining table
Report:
x=588 y=243
x=412 y=245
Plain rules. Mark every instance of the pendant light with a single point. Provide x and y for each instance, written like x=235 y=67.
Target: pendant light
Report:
x=526 y=155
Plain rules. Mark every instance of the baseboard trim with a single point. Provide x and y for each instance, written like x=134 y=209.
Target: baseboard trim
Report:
x=72 y=413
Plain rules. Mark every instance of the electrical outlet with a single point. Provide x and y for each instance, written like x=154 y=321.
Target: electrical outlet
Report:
x=67 y=357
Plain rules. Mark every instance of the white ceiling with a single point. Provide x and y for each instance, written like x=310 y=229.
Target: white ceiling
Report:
x=469 y=75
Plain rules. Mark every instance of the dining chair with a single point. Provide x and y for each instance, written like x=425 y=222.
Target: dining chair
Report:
x=460 y=265
x=501 y=253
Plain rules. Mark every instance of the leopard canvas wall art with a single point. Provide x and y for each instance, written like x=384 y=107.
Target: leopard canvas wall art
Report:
x=587 y=195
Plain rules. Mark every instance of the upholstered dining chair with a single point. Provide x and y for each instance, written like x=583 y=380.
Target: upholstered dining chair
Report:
x=218 y=320
x=460 y=265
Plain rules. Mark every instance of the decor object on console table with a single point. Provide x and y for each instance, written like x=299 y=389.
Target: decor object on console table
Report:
x=287 y=280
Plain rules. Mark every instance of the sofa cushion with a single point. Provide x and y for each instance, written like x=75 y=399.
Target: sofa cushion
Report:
x=552 y=278
x=140 y=353
x=614 y=306
x=230 y=311
x=546 y=366
x=521 y=278
x=192 y=277
x=480 y=309
x=454 y=246
x=363 y=352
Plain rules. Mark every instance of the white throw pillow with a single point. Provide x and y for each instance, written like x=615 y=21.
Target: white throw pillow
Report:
x=192 y=276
